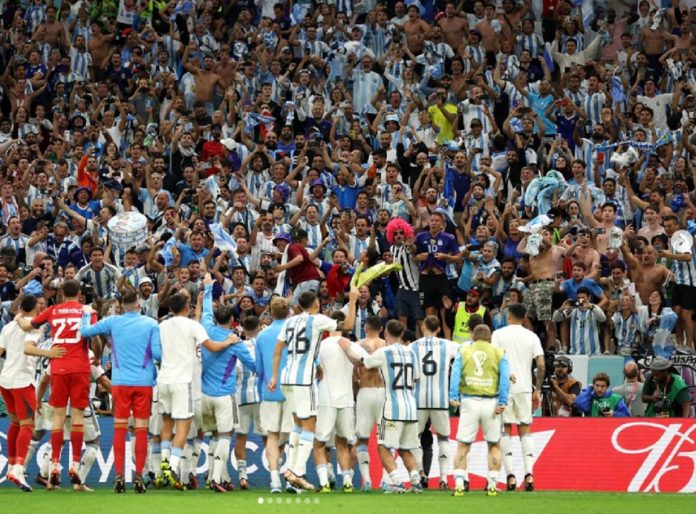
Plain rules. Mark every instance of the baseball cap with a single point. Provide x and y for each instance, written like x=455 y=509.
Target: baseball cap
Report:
x=563 y=362
x=146 y=280
x=475 y=290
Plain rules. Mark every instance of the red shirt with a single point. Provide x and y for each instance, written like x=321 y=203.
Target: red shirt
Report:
x=64 y=320
x=306 y=270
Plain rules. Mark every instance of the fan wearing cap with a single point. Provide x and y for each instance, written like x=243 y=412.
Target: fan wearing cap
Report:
x=458 y=316
x=564 y=390
x=664 y=392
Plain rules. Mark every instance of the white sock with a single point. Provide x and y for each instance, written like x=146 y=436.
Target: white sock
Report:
x=323 y=474
x=242 y=470
x=414 y=476
x=156 y=459
x=443 y=457
x=303 y=453
x=331 y=472
x=293 y=447
x=460 y=476
x=222 y=453
x=364 y=463
x=418 y=456
x=166 y=450
x=506 y=450
x=528 y=452
x=394 y=477
x=348 y=477
x=493 y=478
x=30 y=452
x=186 y=463
x=87 y=462
x=275 y=478
x=46 y=463
x=174 y=462
x=211 y=458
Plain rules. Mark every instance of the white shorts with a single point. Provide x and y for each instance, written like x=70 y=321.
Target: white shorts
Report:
x=197 y=419
x=219 y=414
x=398 y=435
x=302 y=400
x=44 y=421
x=248 y=414
x=339 y=422
x=91 y=426
x=475 y=412
x=275 y=417
x=175 y=400
x=368 y=410
x=439 y=420
x=519 y=409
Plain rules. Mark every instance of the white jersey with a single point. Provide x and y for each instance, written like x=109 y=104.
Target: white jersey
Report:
x=181 y=340
x=400 y=371
x=18 y=371
x=434 y=356
x=521 y=347
x=336 y=385
x=248 y=390
x=301 y=334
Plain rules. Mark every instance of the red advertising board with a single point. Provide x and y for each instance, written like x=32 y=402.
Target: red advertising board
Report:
x=586 y=454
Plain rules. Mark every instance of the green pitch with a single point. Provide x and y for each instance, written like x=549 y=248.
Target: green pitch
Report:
x=104 y=501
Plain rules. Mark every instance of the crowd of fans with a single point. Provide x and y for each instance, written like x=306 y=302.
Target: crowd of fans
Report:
x=534 y=152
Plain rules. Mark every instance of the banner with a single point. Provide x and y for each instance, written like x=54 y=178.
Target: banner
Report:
x=572 y=454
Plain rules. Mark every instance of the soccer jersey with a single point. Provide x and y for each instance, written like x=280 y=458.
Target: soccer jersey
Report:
x=301 y=334
x=248 y=390
x=336 y=385
x=434 y=356
x=18 y=370
x=440 y=243
x=181 y=340
x=521 y=347
x=400 y=371
x=684 y=271
x=135 y=345
x=64 y=320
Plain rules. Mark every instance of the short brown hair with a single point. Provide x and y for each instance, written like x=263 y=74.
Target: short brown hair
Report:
x=481 y=333
x=395 y=328
x=601 y=377
x=432 y=323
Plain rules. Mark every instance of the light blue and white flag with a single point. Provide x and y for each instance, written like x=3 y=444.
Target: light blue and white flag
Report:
x=223 y=240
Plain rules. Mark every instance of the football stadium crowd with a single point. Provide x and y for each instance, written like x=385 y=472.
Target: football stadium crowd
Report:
x=274 y=212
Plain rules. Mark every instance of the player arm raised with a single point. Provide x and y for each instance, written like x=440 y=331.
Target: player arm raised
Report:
x=349 y=323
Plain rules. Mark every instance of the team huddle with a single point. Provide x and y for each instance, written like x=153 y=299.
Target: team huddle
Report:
x=298 y=382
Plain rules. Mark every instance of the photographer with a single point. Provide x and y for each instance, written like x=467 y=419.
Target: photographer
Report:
x=665 y=392
x=564 y=390
x=585 y=318
x=598 y=400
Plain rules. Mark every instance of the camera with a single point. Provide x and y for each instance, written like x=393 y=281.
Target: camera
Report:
x=661 y=406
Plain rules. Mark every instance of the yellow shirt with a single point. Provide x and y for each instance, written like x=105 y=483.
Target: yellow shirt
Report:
x=446 y=128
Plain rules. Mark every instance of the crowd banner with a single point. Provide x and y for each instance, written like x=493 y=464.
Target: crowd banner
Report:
x=646 y=455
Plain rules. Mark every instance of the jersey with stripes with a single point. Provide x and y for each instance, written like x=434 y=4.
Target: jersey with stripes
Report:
x=301 y=334
x=248 y=390
x=400 y=370
x=434 y=356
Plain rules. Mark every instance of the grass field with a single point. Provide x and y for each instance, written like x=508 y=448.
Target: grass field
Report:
x=104 y=501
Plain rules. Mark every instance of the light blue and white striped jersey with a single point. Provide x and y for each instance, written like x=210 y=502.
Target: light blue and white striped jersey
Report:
x=400 y=370
x=301 y=335
x=248 y=389
x=365 y=87
x=684 y=271
x=532 y=42
x=626 y=330
x=592 y=104
x=584 y=331
x=434 y=356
